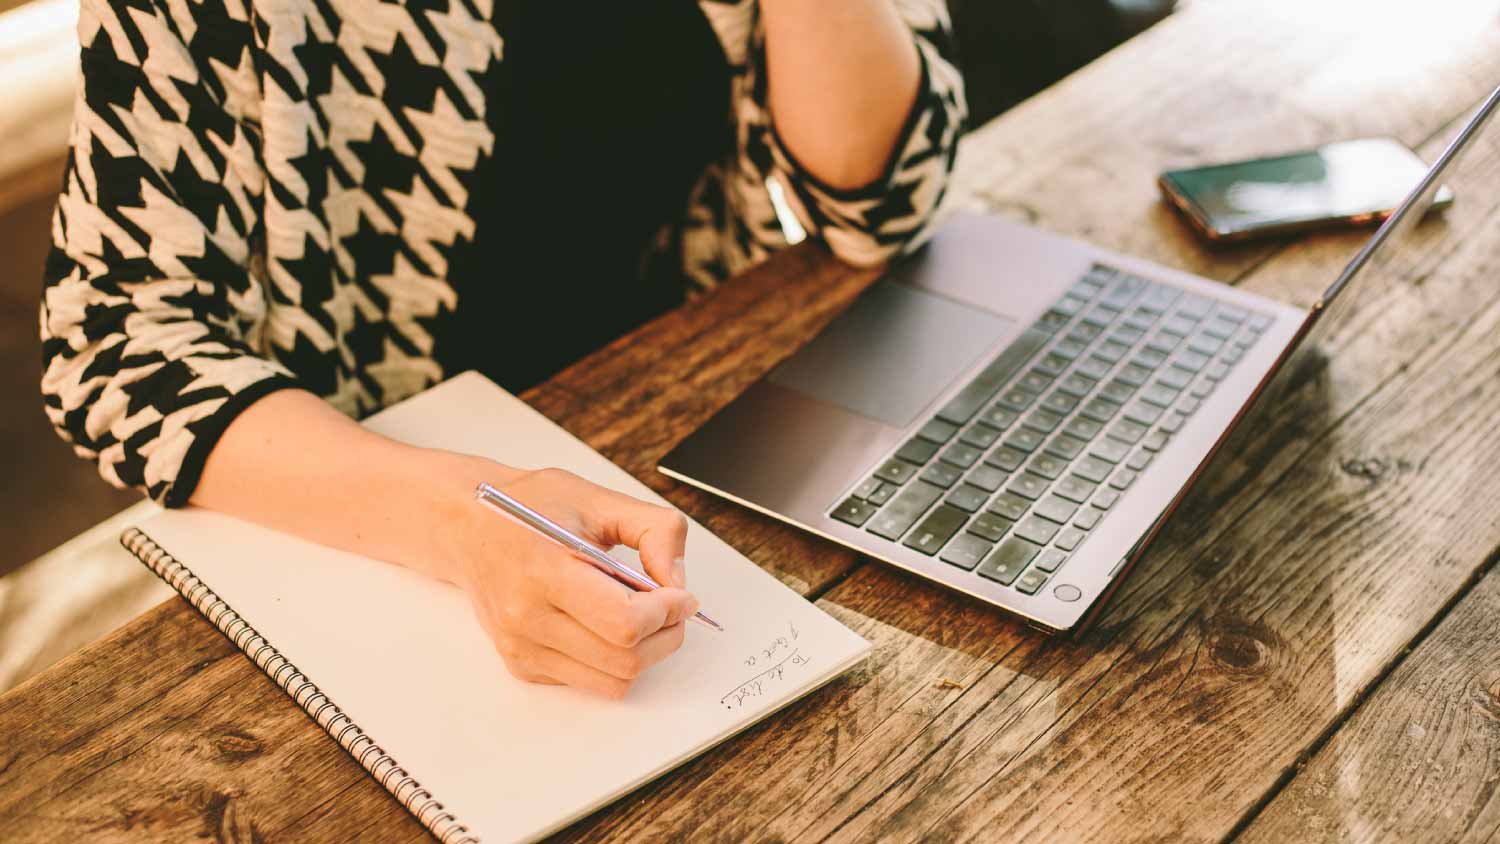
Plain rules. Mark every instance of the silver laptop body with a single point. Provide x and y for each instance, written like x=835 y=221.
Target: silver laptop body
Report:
x=1011 y=413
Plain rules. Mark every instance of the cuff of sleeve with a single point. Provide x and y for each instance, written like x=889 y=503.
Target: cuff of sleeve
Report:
x=925 y=100
x=207 y=431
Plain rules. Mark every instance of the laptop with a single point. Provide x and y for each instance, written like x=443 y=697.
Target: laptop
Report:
x=1014 y=414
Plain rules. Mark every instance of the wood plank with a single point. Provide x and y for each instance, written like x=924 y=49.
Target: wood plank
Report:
x=1420 y=760
x=1208 y=640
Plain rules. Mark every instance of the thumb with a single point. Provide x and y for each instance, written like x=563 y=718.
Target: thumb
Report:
x=658 y=534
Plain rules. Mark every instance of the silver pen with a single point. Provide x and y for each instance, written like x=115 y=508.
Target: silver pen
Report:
x=500 y=502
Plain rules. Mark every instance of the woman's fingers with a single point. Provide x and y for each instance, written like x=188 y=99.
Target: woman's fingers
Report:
x=564 y=633
x=612 y=611
x=658 y=533
x=565 y=669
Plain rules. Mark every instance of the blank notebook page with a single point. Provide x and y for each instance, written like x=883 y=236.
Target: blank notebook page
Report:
x=405 y=658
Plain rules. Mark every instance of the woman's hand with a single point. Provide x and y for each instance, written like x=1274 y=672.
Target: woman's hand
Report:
x=554 y=618
x=294 y=464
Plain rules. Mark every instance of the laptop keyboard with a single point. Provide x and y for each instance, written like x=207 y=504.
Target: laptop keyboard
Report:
x=1029 y=457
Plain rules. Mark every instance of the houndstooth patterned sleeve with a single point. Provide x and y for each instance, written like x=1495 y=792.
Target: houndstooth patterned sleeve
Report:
x=864 y=226
x=151 y=306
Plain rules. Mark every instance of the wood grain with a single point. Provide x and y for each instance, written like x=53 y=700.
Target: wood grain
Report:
x=1420 y=761
x=1271 y=608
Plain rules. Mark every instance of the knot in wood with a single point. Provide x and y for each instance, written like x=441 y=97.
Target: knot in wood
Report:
x=1371 y=469
x=1242 y=647
x=236 y=746
x=1485 y=695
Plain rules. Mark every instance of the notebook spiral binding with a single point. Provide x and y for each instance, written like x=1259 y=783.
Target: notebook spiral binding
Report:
x=407 y=791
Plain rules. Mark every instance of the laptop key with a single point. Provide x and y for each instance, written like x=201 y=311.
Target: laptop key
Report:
x=1123 y=479
x=1047 y=465
x=1140 y=460
x=987 y=478
x=1010 y=505
x=1074 y=488
x=1149 y=358
x=1117 y=391
x=1133 y=375
x=1111 y=450
x=1076 y=385
x=1111 y=351
x=1052 y=365
x=1051 y=321
x=1087 y=518
x=1163 y=342
x=1043 y=420
x=991 y=526
x=1105 y=499
x=1031 y=582
x=904 y=510
x=1084 y=429
x=961 y=455
x=1049 y=560
x=1084 y=333
x=1094 y=368
x=999 y=417
x=1144 y=413
x=1017 y=399
x=1206 y=344
x=917 y=450
x=1024 y=439
x=1189 y=405
x=935 y=530
x=1216 y=371
x=980 y=436
x=1055 y=508
x=1036 y=529
x=1160 y=395
x=1173 y=423
x=1194 y=307
x=1128 y=431
x=1155 y=441
x=967 y=498
x=1006 y=458
x=941 y=474
x=1175 y=377
x=965 y=551
x=1092 y=469
x=868 y=488
x=1060 y=402
x=882 y=495
x=1099 y=410
x=854 y=512
x=1069 y=348
x=1036 y=380
x=938 y=431
x=1028 y=485
x=1070 y=305
x=1190 y=360
x=896 y=471
x=1068 y=538
x=1065 y=446
x=1004 y=564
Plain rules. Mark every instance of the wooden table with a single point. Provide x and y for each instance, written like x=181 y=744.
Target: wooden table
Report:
x=1309 y=654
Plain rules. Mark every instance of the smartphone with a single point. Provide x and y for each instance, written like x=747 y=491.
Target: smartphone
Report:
x=1347 y=183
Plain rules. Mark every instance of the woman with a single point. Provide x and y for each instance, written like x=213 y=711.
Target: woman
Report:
x=282 y=215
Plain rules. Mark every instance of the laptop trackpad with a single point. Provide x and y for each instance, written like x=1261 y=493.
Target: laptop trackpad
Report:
x=892 y=352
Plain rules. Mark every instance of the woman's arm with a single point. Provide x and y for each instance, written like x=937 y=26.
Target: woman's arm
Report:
x=293 y=463
x=150 y=370
x=844 y=76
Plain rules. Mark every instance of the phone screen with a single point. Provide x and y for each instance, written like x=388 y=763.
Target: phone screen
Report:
x=1346 y=180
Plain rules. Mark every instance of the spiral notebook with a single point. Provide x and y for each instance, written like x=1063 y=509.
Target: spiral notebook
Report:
x=395 y=668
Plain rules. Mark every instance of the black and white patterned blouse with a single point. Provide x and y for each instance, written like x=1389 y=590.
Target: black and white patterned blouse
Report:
x=224 y=230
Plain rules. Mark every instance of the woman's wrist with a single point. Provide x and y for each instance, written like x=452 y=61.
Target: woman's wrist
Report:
x=444 y=484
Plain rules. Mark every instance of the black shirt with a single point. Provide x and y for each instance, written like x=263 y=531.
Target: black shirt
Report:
x=603 y=122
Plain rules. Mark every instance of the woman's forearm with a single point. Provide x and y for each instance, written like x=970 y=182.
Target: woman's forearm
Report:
x=843 y=78
x=293 y=463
